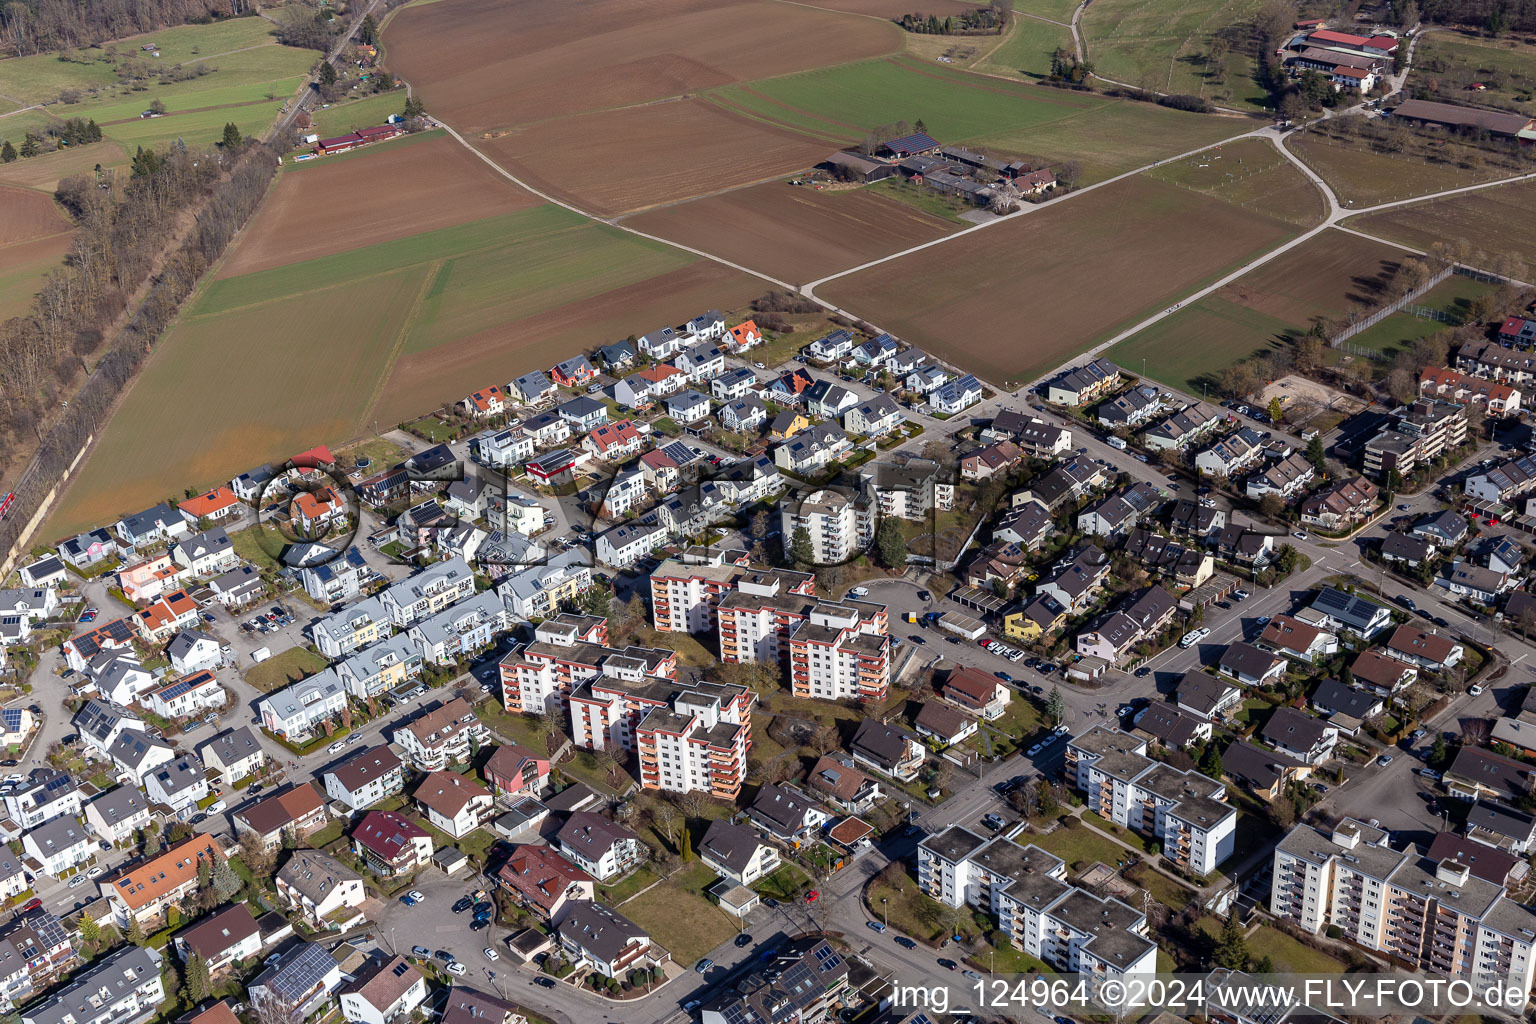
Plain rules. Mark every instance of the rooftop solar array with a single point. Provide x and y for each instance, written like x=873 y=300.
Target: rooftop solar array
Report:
x=292 y=981
x=11 y=717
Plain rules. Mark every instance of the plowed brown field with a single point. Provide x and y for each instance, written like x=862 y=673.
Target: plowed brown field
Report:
x=423 y=380
x=795 y=234
x=332 y=204
x=25 y=215
x=621 y=161
x=1014 y=300
x=893 y=8
x=482 y=64
x=1326 y=276
x=34 y=236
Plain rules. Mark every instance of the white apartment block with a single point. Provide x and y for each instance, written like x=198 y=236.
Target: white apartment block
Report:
x=831 y=519
x=839 y=652
x=429 y=591
x=698 y=742
x=567 y=651
x=1186 y=811
x=1435 y=917
x=1026 y=889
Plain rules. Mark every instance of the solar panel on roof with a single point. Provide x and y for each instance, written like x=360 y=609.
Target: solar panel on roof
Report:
x=826 y=957
x=12 y=719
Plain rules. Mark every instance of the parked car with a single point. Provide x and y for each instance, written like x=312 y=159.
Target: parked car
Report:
x=421 y=951
x=491 y=954
x=457 y=968
x=812 y=896
x=875 y=926
x=1384 y=760
x=704 y=965
x=743 y=940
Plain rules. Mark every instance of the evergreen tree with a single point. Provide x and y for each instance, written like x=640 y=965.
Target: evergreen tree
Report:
x=1317 y=456
x=199 y=985
x=204 y=874
x=1276 y=411
x=8 y=152
x=800 y=550
x=596 y=601
x=145 y=162
x=1232 y=947
x=1265 y=966
x=94 y=130
x=90 y=931
x=1437 y=752
x=385 y=81
x=687 y=843
x=225 y=882
x=135 y=932
x=1210 y=762
x=30 y=145
x=232 y=137
x=890 y=545
x=1056 y=706
x=327 y=73
x=413 y=108
x=368 y=32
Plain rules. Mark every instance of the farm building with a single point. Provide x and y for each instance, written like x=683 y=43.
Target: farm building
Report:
x=916 y=144
x=361 y=137
x=1449 y=115
x=856 y=167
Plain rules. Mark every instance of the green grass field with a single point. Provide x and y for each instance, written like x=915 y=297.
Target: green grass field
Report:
x=680 y=917
x=1360 y=177
x=1493 y=222
x=1250 y=173
x=1452 y=61
x=251 y=340
x=1169 y=45
x=1199 y=341
x=1400 y=330
x=340 y=118
x=1028 y=48
x=1056 y=10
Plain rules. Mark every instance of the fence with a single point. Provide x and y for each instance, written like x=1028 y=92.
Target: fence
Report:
x=1367 y=322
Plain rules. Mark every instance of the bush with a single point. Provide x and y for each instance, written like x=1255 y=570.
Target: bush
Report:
x=781 y=301
x=1335 y=932
x=1184 y=101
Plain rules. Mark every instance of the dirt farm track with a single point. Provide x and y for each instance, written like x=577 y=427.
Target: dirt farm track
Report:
x=485 y=64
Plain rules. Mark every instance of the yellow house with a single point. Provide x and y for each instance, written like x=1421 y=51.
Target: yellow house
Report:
x=788 y=424
x=1039 y=617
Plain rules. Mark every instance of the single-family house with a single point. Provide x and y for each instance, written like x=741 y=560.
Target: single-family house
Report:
x=1307 y=739
x=454 y=803
x=1250 y=665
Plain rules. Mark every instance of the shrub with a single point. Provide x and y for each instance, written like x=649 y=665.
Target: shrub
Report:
x=1184 y=101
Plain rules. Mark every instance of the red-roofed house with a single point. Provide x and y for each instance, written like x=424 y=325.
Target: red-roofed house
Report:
x=613 y=442
x=312 y=510
x=743 y=336
x=453 y=803
x=147 y=580
x=215 y=505
x=1499 y=399
x=977 y=692
x=660 y=469
x=664 y=378
x=1296 y=639
x=164 y=617
x=319 y=456
x=390 y=845
x=542 y=881
x=1517 y=330
x=1354 y=79
x=1430 y=651
x=486 y=402
x=1367 y=44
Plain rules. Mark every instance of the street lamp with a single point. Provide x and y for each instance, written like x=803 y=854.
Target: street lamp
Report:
x=885 y=911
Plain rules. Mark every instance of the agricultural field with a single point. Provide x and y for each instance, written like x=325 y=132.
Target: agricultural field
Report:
x=1055 y=10
x=1324 y=277
x=1017 y=299
x=44 y=172
x=1251 y=174
x=1451 y=62
x=1169 y=45
x=1107 y=136
x=1493 y=222
x=1362 y=177
x=795 y=234
x=331 y=205
x=340 y=118
x=893 y=8
x=1028 y=48
x=486 y=64
x=672 y=151
x=408 y=323
x=34 y=236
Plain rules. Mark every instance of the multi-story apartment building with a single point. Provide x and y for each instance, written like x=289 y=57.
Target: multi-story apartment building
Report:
x=460 y=629
x=567 y=651
x=381 y=667
x=838 y=652
x=34 y=951
x=46 y=793
x=353 y=628
x=428 y=592
x=365 y=777
x=389 y=845
x=1026 y=889
x=1419 y=433
x=296 y=711
x=124 y=986
x=801 y=987
x=144 y=891
x=1186 y=811
x=686 y=592
x=1429 y=915
x=442 y=736
x=697 y=741
x=831 y=519
x=907 y=490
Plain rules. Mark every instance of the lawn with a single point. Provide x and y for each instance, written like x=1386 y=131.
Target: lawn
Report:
x=907 y=909
x=1028 y=48
x=1125 y=835
x=1007 y=959
x=259 y=545
x=1167 y=43
x=927 y=200
x=1194 y=345
x=1452 y=61
x=340 y=118
x=627 y=886
x=1079 y=846
x=1163 y=889
x=1289 y=955
x=1055 y=10
x=680 y=917
x=1362 y=177
x=1399 y=331
x=283 y=668
x=786 y=882
x=1249 y=172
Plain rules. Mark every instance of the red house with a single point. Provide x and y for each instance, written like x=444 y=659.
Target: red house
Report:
x=515 y=771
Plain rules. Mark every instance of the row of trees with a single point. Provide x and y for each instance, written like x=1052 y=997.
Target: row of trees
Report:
x=37 y=26
x=990 y=20
x=123 y=232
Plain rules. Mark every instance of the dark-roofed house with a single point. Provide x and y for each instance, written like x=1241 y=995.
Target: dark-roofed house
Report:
x=602 y=848
x=1334 y=698
x=737 y=852
x=221 y=939
x=390 y=845
x=321 y=888
x=1407 y=549
x=298 y=810
x=786 y=813
x=1251 y=666
x=1446 y=528
x=1424 y=650
x=1381 y=673
x=452 y=802
x=1265 y=772
x=976 y=691
x=365 y=777
x=385 y=988
x=888 y=749
x=1207 y=696
x=234 y=754
x=798 y=987
x=839 y=783
x=1341 y=612
x=944 y=724
x=1486 y=863
x=1433 y=114
x=1504 y=828
x=916 y=144
x=1300 y=736
x=124 y=986
x=1171 y=726
x=542 y=881
x=1082 y=384
x=1478 y=774
x=302 y=978
x=606 y=941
